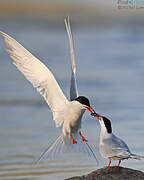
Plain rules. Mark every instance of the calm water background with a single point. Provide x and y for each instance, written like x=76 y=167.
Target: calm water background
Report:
x=110 y=72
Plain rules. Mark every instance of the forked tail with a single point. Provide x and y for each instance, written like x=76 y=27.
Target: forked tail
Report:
x=64 y=144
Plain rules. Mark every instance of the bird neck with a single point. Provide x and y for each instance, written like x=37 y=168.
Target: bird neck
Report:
x=104 y=133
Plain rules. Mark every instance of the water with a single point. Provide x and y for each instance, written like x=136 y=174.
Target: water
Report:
x=110 y=73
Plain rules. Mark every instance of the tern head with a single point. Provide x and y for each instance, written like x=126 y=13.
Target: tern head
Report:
x=104 y=122
x=85 y=102
x=107 y=124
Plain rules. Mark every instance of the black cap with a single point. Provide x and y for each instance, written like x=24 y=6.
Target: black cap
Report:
x=83 y=100
x=107 y=124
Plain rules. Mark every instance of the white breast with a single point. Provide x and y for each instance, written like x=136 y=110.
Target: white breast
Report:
x=73 y=115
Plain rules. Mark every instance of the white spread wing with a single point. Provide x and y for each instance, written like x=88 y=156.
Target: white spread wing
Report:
x=73 y=88
x=39 y=75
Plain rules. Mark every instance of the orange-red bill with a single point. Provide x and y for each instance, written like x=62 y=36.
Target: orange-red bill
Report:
x=96 y=115
x=93 y=113
x=90 y=109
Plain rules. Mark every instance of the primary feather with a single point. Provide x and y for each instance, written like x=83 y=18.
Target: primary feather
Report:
x=73 y=87
x=39 y=75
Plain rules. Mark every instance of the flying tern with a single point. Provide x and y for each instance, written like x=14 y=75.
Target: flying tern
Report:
x=66 y=113
x=111 y=146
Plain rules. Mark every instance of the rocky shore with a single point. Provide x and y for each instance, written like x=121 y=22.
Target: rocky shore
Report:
x=112 y=173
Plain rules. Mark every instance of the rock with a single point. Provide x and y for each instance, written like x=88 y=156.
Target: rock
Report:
x=112 y=173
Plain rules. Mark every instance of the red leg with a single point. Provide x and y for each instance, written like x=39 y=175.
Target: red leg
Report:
x=108 y=164
x=74 y=141
x=83 y=138
x=118 y=164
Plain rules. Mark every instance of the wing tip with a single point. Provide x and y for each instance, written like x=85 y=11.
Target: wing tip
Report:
x=67 y=19
x=3 y=33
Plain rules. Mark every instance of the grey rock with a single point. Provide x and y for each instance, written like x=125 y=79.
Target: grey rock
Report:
x=112 y=173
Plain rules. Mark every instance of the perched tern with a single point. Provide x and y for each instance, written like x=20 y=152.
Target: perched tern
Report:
x=67 y=114
x=111 y=146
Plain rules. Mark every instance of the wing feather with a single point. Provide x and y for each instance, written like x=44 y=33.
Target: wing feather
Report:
x=114 y=146
x=39 y=75
x=73 y=87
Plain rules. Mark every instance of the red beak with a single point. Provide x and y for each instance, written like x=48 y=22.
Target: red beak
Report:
x=89 y=109
x=93 y=113
x=96 y=115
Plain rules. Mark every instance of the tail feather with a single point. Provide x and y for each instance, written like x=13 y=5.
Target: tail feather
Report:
x=51 y=149
x=135 y=156
x=91 y=153
x=64 y=144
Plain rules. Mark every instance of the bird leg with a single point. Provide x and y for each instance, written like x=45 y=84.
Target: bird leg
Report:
x=118 y=164
x=83 y=138
x=74 y=141
x=108 y=164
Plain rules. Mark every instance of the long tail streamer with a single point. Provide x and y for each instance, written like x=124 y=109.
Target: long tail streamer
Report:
x=63 y=144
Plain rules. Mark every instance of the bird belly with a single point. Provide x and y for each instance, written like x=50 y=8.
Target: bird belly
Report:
x=75 y=125
x=103 y=151
x=73 y=122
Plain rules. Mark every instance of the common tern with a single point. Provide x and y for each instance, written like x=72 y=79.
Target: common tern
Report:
x=111 y=146
x=66 y=113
